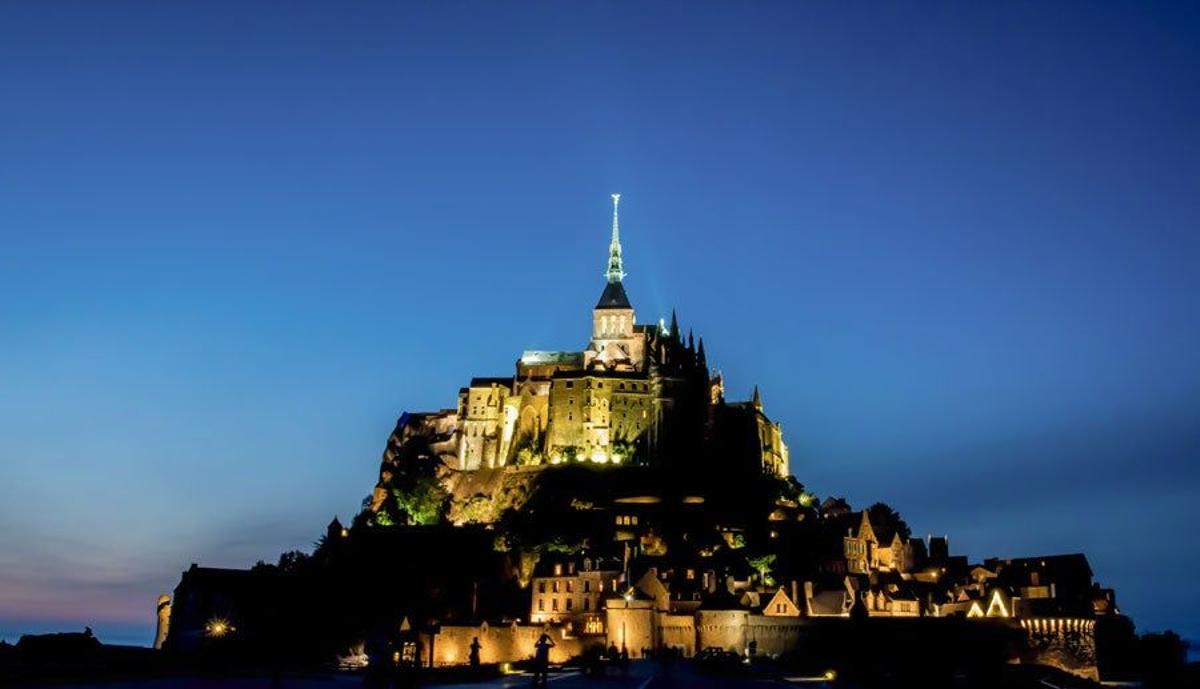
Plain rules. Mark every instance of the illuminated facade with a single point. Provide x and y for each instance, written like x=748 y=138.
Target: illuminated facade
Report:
x=636 y=393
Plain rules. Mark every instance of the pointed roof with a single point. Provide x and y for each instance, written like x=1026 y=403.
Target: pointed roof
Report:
x=613 y=297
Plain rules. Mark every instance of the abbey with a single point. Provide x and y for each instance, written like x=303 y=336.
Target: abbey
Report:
x=637 y=393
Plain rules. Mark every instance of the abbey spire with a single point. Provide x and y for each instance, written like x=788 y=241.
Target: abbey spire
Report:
x=615 y=273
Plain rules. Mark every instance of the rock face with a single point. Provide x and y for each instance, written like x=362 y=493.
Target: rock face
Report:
x=480 y=497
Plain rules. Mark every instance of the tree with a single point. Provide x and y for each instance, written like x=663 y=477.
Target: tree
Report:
x=762 y=564
x=416 y=490
x=292 y=561
x=424 y=500
x=886 y=519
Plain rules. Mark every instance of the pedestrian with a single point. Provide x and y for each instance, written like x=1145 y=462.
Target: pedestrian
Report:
x=541 y=660
x=473 y=657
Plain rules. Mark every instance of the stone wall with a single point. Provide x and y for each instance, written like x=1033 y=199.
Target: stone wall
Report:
x=775 y=635
x=678 y=631
x=722 y=629
x=631 y=624
x=1065 y=643
x=502 y=643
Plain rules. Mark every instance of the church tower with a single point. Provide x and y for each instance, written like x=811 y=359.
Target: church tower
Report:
x=614 y=344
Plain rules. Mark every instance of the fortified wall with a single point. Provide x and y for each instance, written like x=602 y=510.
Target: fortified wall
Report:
x=502 y=643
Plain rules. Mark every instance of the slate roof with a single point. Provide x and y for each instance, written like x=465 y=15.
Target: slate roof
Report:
x=613 y=297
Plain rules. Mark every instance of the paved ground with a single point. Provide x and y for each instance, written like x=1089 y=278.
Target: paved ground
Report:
x=642 y=675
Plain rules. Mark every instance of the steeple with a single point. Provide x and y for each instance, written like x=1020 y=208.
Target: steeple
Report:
x=757 y=402
x=615 y=273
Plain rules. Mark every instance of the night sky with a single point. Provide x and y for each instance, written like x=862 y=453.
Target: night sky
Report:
x=958 y=249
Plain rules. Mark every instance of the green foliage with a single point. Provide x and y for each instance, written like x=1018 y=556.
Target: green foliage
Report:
x=480 y=509
x=528 y=457
x=571 y=453
x=424 y=500
x=416 y=493
x=763 y=564
x=623 y=451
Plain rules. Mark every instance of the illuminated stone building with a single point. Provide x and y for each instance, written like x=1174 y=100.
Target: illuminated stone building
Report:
x=637 y=392
x=573 y=591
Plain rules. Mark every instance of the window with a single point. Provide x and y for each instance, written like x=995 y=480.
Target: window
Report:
x=558 y=570
x=541 y=587
x=587 y=586
x=570 y=384
x=570 y=587
x=569 y=601
x=541 y=605
x=554 y=604
x=600 y=384
x=587 y=604
x=554 y=587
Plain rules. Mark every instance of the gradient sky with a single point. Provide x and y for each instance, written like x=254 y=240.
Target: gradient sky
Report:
x=958 y=248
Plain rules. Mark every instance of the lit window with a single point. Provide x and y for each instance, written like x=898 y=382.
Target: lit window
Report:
x=558 y=570
x=554 y=604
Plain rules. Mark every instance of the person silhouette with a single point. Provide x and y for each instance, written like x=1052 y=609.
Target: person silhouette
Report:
x=541 y=660
x=474 y=655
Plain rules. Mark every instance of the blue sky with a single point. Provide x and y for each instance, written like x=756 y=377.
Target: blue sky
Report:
x=958 y=247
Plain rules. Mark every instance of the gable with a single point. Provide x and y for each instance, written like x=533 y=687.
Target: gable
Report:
x=781 y=605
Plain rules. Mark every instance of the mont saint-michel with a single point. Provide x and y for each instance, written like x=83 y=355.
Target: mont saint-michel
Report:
x=614 y=501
